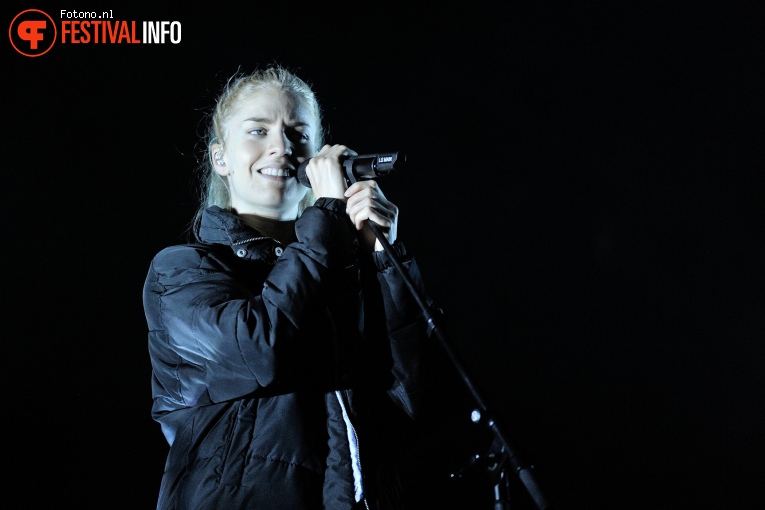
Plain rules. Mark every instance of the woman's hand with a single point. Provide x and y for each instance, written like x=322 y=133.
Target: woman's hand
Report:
x=325 y=171
x=366 y=202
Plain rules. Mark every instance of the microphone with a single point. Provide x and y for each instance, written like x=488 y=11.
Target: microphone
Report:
x=361 y=168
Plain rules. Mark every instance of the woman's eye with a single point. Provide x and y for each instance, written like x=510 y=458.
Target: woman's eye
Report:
x=257 y=131
x=297 y=136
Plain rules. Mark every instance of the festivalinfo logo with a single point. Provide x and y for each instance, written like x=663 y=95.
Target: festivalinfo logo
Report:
x=34 y=32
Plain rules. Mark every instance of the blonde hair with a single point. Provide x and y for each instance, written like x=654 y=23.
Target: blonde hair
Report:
x=213 y=187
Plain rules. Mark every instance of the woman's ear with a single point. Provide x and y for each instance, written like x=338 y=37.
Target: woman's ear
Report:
x=216 y=156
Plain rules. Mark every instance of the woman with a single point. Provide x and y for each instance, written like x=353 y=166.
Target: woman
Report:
x=285 y=347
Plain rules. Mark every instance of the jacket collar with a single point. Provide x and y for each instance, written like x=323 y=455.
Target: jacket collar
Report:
x=222 y=227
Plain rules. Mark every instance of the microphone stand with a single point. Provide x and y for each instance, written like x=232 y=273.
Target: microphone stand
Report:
x=502 y=458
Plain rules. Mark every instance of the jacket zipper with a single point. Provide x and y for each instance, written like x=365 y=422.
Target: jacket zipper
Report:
x=353 y=443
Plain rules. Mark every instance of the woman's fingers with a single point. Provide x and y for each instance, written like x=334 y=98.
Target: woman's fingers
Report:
x=366 y=202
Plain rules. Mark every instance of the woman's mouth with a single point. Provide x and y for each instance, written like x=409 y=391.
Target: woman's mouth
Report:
x=276 y=172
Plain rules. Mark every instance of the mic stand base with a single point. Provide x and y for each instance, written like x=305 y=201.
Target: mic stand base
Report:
x=506 y=455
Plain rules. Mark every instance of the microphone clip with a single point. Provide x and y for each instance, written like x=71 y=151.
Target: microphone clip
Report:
x=370 y=166
x=362 y=167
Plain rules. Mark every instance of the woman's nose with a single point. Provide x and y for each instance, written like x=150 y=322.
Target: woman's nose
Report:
x=280 y=144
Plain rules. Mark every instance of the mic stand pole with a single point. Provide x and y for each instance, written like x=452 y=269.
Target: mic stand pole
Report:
x=502 y=455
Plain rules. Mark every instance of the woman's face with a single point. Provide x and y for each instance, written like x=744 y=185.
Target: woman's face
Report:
x=265 y=140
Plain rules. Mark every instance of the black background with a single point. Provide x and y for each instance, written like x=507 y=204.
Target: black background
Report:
x=584 y=195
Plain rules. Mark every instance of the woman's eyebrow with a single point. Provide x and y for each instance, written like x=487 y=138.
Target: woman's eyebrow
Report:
x=266 y=120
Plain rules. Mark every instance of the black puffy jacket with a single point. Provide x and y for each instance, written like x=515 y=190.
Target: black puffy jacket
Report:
x=257 y=350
